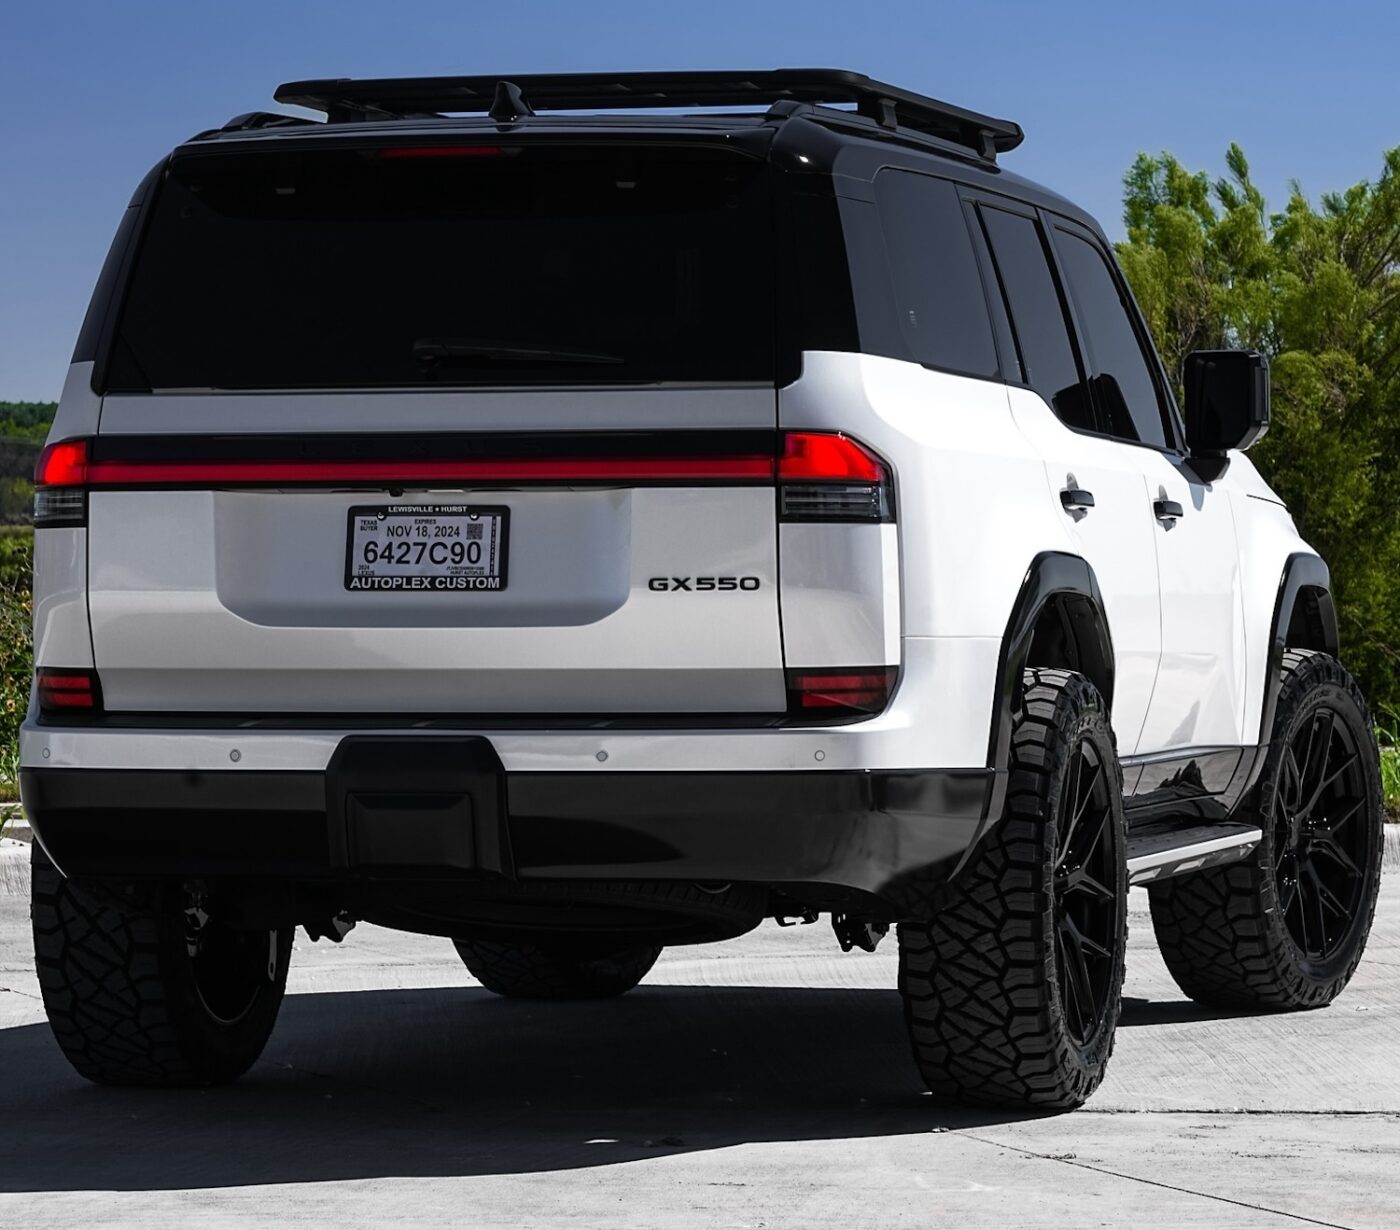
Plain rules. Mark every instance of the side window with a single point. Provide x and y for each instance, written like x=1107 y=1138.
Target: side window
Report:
x=938 y=293
x=1048 y=362
x=1119 y=374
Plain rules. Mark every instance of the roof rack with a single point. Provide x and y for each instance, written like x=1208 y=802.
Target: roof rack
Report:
x=507 y=99
x=261 y=119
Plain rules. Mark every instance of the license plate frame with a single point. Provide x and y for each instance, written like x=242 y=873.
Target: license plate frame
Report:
x=467 y=579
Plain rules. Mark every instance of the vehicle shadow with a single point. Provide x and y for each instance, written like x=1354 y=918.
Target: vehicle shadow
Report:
x=1172 y=1012
x=454 y=1082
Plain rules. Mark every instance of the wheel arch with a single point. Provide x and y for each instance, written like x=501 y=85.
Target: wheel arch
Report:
x=1304 y=618
x=1057 y=620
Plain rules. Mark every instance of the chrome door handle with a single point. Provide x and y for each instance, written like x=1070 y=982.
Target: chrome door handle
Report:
x=1076 y=499
x=1166 y=510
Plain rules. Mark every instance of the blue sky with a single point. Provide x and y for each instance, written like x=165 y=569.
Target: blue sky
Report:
x=93 y=93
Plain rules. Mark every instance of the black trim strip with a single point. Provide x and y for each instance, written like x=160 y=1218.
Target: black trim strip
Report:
x=465 y=722
x=432 y=446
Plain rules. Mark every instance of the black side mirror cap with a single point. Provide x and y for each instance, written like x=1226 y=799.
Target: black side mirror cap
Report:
x=1227 y=401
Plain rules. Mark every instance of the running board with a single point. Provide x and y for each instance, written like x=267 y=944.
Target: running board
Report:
x=1157 y=852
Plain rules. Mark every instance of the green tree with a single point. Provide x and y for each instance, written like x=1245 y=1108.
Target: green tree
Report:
x=1317 y=288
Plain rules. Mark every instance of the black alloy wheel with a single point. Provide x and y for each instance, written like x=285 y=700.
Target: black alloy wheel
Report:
x=229 y=968
x=1320 y=838
x=153 y=987
x=1011 y=984
x=1086 y=907
x=1286 y=928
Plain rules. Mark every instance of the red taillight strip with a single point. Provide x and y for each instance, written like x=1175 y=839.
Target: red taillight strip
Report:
x=320 y=473
x=803 y=457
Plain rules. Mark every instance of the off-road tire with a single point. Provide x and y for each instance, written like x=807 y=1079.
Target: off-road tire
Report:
x=122 y=995
x=981 y=982
x=1222 y=932
x=544 y=971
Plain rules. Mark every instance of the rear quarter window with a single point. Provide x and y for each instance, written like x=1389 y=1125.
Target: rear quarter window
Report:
x=939 y=302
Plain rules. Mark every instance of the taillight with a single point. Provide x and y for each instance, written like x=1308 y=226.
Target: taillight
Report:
x=821 y=476
x=60 y=484
x=67 y=692
x=842 y=692
x=829 y=477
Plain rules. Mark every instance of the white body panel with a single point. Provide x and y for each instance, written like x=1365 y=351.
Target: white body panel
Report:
x=79 y=408
x=972 y=510
x=61 y=634
x=1267 y=537
x=234 y=601
x=1117 y=537
x=1199 y=699
x=840 y=595
x=920 y=729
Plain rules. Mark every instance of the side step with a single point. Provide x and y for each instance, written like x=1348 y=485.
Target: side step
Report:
x=1163 y=848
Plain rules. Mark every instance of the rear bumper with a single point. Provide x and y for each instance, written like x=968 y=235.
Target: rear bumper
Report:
x=865 y=831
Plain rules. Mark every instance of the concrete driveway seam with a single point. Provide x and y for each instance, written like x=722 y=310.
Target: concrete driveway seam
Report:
x=1070 y=1160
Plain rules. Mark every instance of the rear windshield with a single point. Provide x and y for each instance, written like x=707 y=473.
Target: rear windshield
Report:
x=454 y=264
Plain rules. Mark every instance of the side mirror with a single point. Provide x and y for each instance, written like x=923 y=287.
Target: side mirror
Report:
x=1227 y=405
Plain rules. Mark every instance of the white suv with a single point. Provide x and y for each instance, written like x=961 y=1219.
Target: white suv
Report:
x=579 y=533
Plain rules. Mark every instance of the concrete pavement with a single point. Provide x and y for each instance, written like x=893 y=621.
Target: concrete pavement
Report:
x=760 y=1083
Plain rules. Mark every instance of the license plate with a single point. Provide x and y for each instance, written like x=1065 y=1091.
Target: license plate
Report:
x=458 y=547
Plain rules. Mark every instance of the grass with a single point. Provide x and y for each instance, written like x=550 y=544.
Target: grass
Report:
x=1388 y=736
x=16 y=652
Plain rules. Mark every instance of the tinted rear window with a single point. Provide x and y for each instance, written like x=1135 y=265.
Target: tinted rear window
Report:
x=487 y=265
x=938 y=294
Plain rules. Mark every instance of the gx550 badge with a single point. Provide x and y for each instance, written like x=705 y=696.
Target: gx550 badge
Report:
x=702 y=585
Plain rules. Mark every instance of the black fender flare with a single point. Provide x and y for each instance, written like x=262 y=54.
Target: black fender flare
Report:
x=1304 y=603
x=1051 y=574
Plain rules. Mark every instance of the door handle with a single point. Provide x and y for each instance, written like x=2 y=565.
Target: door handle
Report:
x=1076 y=499
x=1166 y=510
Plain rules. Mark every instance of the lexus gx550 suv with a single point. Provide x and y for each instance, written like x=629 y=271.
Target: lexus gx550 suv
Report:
x=576 y=515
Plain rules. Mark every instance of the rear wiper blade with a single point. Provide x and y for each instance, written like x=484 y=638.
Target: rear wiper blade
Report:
x=431 y=351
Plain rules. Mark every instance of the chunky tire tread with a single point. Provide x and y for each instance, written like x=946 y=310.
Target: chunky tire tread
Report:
x=532 y=971
x=120 y=1012
x=1219 y=930
x=979 y=984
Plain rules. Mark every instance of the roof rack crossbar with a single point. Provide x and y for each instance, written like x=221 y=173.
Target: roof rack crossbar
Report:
x=346 y=99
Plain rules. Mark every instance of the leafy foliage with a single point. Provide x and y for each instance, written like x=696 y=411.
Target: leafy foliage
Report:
x=1317 y=288
x=26 y=420
x=23 y=426
x=16 y=652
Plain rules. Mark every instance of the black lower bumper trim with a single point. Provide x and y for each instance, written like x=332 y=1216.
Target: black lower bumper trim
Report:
x=858 y=830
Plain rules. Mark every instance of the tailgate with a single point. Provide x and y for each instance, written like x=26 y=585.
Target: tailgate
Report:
x=636 y=574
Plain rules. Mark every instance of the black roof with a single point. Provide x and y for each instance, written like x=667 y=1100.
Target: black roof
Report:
x=587 y=104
